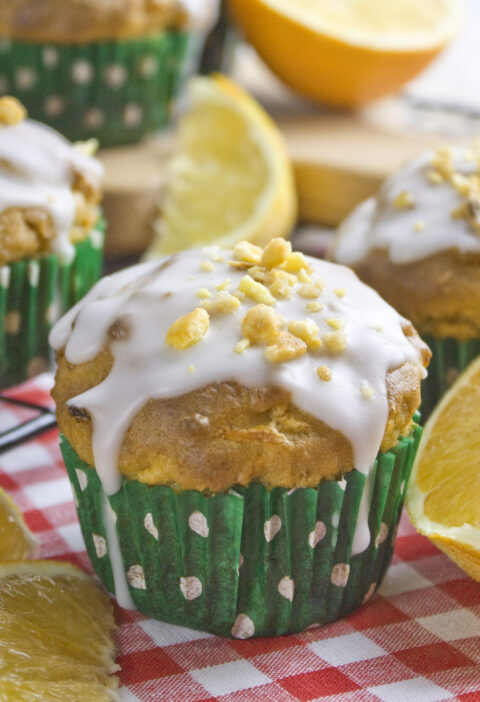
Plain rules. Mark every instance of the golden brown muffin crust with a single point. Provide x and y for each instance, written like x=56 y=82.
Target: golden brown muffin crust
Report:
x=226 y=434
x=28 y=231
x=440 y=294
x=77 y=21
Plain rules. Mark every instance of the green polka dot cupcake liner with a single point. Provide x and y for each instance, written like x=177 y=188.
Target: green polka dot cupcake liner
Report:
x=251 y=562
x=449 y=358
x=34 y=293
x=114 y=91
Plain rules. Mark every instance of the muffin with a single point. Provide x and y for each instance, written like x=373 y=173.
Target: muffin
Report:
x=51 y=236
x=418 y=244
x=107 y=69
x=237 y=427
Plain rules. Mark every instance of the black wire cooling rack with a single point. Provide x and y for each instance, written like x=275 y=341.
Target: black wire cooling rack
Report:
x=42 y=421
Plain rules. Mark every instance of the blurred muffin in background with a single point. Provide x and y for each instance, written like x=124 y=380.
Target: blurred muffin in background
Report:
x=108 y=69
x=417 y=242
x=51 y=236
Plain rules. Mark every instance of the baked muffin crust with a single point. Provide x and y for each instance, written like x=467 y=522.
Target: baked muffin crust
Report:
x=78 y=21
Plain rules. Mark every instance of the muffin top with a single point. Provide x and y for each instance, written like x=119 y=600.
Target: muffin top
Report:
x=265 y=334
x=76 y=21
x=49 y=188
x=418 y=242
x=431 y=205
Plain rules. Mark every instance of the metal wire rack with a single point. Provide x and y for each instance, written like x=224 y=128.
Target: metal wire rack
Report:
x=42 y=421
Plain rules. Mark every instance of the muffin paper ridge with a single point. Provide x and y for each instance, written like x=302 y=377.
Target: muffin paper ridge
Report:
x=253 y=561
x=34 y=292
x=115 y=91
x=449 y=358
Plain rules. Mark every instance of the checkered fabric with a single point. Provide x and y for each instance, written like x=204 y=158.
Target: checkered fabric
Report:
x=418 y=640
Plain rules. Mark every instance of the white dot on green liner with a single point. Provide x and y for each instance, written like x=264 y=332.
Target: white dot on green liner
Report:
x=82 y=479
x=243 y=627
x=82 y=72
x=148 y=66
x=291 y=492
x=100 y=545
x=286 y=587
x=12 y=322
x=340 y=574
x=136 y=577
x=369 y=593
x=382 y=534
x=191 y=587
x=342 y=484
x=271 y=527
x=335 y=519
x=132 y=115
x=4 y=276
x=25 y=78
x=317 y=534
x=115 y=76
x=50 y=57
x=33 y=273
x=198 y=523
x=53 y=105
x=93 y=117
x=150 y=526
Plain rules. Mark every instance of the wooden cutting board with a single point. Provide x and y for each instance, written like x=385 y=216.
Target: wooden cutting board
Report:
x=339 y=158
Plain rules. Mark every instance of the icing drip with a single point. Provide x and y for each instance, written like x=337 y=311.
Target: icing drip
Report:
x=37 y=169
x=148 y=299
x=202 y=14
x=428 y=221
x=122 y=593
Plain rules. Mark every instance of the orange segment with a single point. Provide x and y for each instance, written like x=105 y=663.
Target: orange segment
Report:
x=443 y=499
x=55 y=639
x=16 y=540
x=347 y=53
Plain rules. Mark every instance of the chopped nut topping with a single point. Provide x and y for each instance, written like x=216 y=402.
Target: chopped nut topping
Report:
x=403 y=201
x=377 y=327
x=222 y=303
x=443 y=162
x=307 y=331
x=303 y=277
x=461 y=184
x=420 y=225
x=218 y=258
x=203 y=293
x=435 y=177
x=206 y=266
x=335 y=323
x=247 y=252
x=11 y=111
x=188 y=330
x=239 y=265
x=192 y=278
x=256 y=291
x=324 y=373
x=241 y=346
x=239 y=295
x=311 y=290
x=296 y=261
x=261 y=324
x=335 y=341
x=223 y=286
x=259 y=274
x=286 y=348
x=340 y=292
x=314 y=306
x=276 y=252
x=191 y=368
x=367 y=391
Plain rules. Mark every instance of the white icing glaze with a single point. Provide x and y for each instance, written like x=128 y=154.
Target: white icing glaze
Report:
x=202 y=14
x=122 y=592
x=37 y=169
x=153 y=295
x=377 y=224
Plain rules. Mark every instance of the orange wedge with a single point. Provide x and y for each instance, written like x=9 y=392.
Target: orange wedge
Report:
x=16 y=541
x=345 y=52
x=443 y=498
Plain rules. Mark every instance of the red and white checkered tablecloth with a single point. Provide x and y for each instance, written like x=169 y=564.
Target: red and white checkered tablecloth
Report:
x=418 y=640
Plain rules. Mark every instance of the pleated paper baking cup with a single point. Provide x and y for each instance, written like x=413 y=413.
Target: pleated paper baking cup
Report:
x=34 y=293
x=250 y=562
x=115 y=91
x=449 y=358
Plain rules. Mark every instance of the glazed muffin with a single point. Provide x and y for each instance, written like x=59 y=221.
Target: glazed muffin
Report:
x=238 y=429
x=418 y=244
x=51 y=236
x=108 y=69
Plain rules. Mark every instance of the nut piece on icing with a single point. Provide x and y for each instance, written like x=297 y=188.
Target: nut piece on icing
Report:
x=261 y=324
x=335 y=341
x=11 y=111
x=222 y=303
x=286 y=348
x=247 y=252
x=307 y=331
x=256 y=291
x=188 y=330
x=276 y=252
